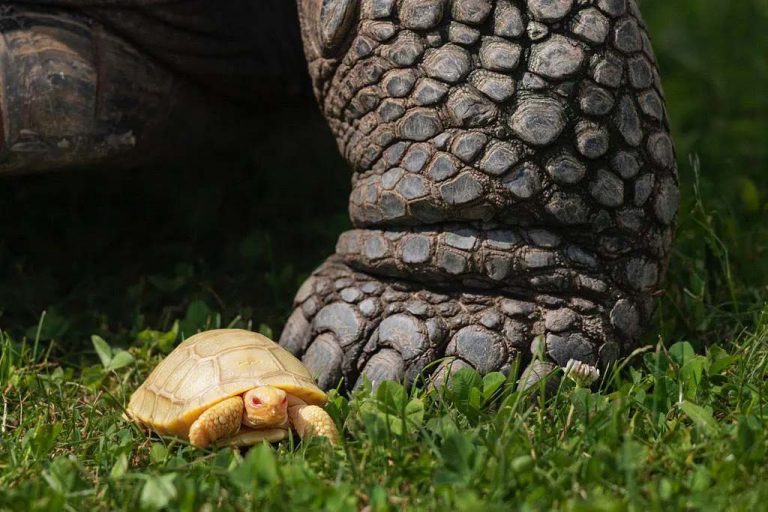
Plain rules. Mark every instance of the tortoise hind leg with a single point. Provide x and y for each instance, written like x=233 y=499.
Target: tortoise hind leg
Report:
x=220 y=421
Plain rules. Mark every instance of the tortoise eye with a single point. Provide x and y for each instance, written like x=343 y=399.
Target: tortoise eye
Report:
x=334 y=22
x=255 y=401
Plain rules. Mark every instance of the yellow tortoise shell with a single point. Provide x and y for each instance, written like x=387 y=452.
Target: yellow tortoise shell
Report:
x=210 y=367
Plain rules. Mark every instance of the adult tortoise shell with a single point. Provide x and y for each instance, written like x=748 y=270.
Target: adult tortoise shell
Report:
x=209 y=369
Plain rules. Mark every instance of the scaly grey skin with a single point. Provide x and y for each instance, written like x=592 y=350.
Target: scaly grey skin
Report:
x=513 y=178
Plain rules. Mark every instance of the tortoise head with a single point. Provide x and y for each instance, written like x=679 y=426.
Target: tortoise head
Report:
x=265 y=407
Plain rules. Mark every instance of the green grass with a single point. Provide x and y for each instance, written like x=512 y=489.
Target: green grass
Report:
x=676 y=431
x=142 y=258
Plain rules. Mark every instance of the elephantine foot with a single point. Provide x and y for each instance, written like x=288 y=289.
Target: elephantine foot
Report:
x=514 y=185
x=348 y=323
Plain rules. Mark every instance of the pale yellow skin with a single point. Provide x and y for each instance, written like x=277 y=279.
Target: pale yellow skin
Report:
x=230 y=386
x=239 y=421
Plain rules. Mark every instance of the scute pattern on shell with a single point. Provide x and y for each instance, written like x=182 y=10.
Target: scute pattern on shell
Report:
x=211 y=366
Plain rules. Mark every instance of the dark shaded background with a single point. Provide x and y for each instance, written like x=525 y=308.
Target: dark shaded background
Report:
x=117 y=252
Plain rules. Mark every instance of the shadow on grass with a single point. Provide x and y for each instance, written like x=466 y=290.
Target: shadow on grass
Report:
x=111 y=252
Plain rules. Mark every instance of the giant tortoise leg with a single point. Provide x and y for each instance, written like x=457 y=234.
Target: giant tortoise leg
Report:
x=514 y=186
x=349 y=322
x=73 y=93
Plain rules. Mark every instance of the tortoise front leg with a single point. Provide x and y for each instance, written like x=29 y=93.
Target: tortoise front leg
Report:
x=514 y=189
x=220 y=421
x=311 y=420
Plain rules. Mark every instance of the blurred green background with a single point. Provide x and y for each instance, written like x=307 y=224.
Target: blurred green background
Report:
x=117 y=252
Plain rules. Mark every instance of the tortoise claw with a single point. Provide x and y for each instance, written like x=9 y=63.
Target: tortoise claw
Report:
x=348 y=324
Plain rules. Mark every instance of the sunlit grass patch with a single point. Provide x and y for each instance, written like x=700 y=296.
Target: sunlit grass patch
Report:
x=674 y=429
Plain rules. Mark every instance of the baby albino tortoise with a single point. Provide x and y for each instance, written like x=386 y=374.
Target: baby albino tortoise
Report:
x=231 y=386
